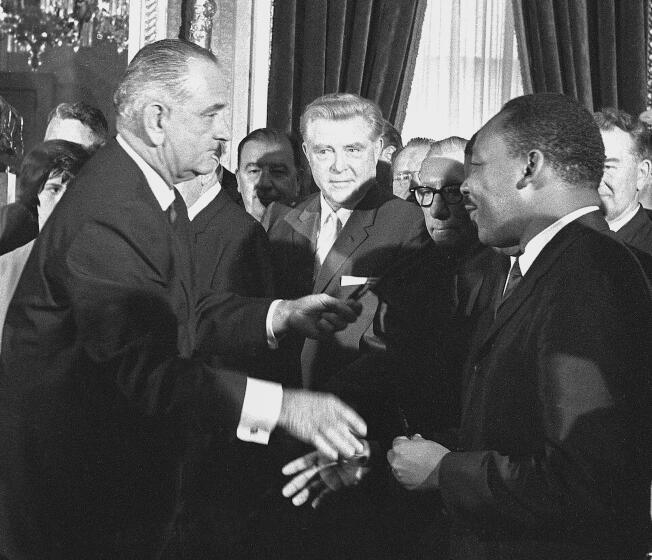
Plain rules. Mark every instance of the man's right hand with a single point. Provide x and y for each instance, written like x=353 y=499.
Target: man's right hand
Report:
x=323 y=421
x=315 y=316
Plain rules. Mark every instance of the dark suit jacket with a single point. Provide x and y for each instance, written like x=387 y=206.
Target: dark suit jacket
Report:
x=101 y=397
x=555 y=429
x=381 y=230
x=231 y=250
x=637 y=232
x=17 y=226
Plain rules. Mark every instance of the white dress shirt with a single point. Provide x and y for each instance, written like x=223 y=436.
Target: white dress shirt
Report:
x=261 y=407
x=623 y=220
x=541 y=239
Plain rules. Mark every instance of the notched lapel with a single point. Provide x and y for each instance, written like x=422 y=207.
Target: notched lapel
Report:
x=356 y=230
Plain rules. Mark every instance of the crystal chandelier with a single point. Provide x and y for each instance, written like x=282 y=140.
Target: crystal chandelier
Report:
x=32 y=25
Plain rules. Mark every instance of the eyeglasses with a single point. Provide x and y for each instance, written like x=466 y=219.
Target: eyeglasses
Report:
x=425 y=194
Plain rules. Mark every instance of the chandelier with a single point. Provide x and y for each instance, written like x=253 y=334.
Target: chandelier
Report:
x=32 y=25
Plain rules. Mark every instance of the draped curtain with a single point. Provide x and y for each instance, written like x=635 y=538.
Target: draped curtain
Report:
x=592 y=50
x=466 y=69
x=366 y=47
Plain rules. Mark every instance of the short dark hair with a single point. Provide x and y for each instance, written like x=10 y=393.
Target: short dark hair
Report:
x=86 y=114
x=158 y=68
x=468 y=149
x=562 y=129
x=391 y=136
x=272 y=135
x=610 y=118
x=52 y=155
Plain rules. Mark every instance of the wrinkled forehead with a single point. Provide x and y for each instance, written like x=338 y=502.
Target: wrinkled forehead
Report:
x=448 y=171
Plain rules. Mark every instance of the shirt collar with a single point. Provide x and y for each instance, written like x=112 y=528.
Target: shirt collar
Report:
x=623 y=220
x=163 y=192
x=343 y=213
x=541 y=239
x=204 y=200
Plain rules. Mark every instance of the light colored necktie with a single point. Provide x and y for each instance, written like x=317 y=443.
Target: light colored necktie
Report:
x=327 y=236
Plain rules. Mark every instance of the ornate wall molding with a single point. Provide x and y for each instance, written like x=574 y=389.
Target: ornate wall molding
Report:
x=147 y=23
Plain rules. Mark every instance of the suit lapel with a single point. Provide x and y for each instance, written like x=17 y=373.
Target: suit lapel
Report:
x=352 y=235
x=545 y=260
x=206 y=216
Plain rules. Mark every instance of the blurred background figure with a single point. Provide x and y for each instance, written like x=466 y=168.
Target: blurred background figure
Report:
x=392 y=142
x=269 y=170
x=43 y=178
x=406 y=164
x=77 y=122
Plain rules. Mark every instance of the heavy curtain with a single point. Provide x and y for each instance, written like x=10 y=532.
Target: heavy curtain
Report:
x=366 y=47
x=592 y=50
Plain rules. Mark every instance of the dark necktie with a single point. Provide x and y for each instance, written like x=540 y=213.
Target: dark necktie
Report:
x=513 y=278
x=177 y=211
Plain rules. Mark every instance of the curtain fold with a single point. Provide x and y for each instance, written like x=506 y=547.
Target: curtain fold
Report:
x=366 y=47
x=592 y=50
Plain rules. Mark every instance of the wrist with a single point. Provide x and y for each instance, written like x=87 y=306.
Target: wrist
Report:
x=281 y=318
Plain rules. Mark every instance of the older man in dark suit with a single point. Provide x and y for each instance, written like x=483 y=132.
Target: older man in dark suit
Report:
x=552 y=459
x=104 y=406
x=349 y=233
x=628 y=169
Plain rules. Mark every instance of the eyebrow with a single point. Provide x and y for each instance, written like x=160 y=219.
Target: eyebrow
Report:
x=355 y=145
x=612 y=160
x=213 y=108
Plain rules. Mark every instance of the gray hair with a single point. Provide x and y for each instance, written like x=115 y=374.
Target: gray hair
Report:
x=160 y=68
x=343 y=106
x=86 y=114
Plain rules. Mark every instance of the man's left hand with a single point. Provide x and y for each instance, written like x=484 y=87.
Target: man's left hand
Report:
x=333 y=475
x=415 y=462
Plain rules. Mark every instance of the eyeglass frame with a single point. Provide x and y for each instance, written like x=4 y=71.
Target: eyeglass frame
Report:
x=445 y=192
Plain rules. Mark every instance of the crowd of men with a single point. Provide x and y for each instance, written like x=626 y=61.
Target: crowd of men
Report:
x=442 y=352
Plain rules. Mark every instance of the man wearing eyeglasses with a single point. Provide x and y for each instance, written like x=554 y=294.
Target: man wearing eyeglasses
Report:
x=407 y=163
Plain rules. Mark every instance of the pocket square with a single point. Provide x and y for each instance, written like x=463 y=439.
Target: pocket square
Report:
x=357 y=280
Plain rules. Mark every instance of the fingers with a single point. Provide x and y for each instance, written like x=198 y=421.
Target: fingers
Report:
x=355 y=423
x=299 y=482
x=324 y=446
x=325 y=492
x=300 y=463
x=302 y=497
x=347 y=310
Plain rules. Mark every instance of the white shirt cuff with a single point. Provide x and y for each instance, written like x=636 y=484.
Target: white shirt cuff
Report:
x=261 y=410
x=272 y=341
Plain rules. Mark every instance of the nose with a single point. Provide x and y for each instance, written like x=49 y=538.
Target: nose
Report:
x=265 y=179
x=339 y=161
x=464 y=188
x=220 y=128
x=439 y=209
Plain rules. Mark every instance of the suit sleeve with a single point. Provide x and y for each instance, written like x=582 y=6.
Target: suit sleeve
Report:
x=136 y=326
x=583 y=470
x=18 y=226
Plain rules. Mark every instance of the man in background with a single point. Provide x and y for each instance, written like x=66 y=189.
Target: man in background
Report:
x=349 y=233
x=269 y=170
x=627 y=172
x=406 y=165
x=77 y=122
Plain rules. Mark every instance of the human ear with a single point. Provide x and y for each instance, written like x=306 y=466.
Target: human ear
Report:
x=155 y=116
